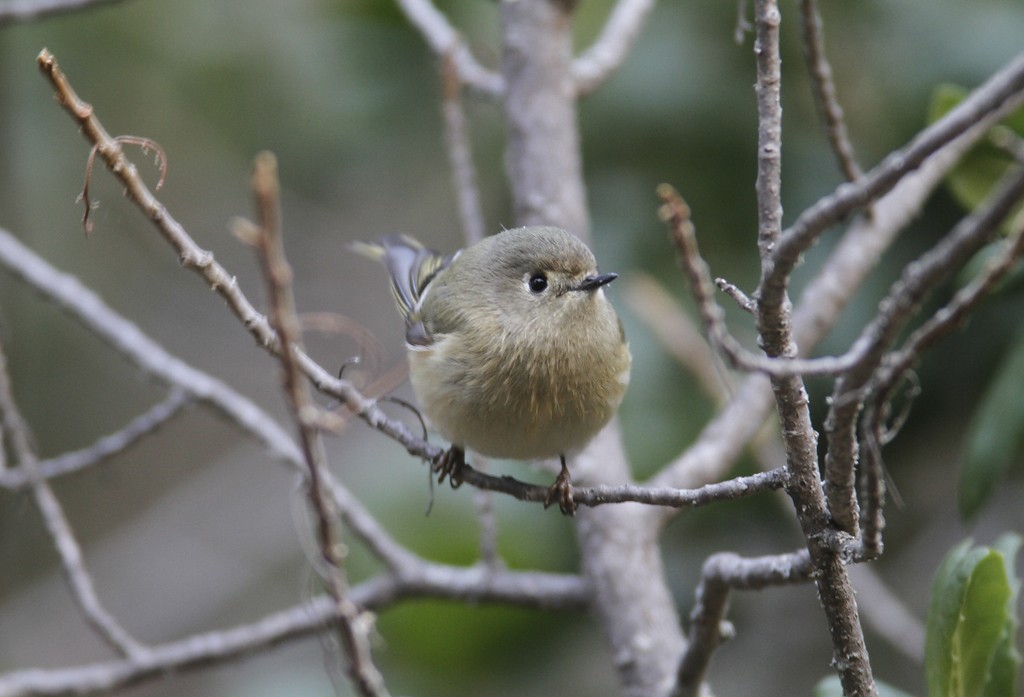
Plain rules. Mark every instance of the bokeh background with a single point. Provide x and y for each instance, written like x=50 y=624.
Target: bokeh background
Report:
x=194 y=528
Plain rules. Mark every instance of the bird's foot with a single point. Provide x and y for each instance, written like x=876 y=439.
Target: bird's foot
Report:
x=561 y=491
x=450 y=465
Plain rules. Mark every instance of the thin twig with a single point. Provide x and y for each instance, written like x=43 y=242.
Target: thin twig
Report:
x=859 y=249
x=592 y=496
x=30 y=10
x=675 y=212
x=898 y=364
x=460 y=153
x=79 y=580
x=857 y=253
x=776 y=339
x=105 y=447
x=1001 y=91
x=548 y=591
x=596 y=64
x=678 y=334
x=721 y=574
x=354 y=625
x=83 y=305
x=444 y=40
x=953 y=315
x=824 y=89
x=416 y=577
x=483 y=502
x=193 y=257
x=146 y=144
x=903 y=301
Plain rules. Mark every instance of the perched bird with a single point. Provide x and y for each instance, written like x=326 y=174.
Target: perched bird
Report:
x=514 y=350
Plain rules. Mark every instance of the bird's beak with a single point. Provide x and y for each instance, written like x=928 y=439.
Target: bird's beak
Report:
x=595 y=282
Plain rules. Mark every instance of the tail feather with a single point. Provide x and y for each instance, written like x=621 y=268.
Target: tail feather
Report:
x=410 y=265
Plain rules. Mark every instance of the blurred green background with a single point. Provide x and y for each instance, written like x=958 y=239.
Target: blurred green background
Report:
x=347 y=95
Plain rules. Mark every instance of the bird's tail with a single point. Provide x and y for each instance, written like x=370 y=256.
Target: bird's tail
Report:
x=410 y=265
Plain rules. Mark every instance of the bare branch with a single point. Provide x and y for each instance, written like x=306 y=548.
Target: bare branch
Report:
x=952 y=316
x=411 y=576
x=1000 y=92
x=726 y=436
x=675 y=211
x=103 y=448
x=542 y=154
x=722 y=573
x=216 y=276
x=80 y=582
x=354 y=626
x=679 y=335
x=903 y=301
x=824 y=89
x=897 y=365
x=460 y=153
x=599 y=62
x=82 y=304
x=29 y=10
x=483 y=503
x=775 y=329
x=592 y=496
x=445 y=42
x=477 y=585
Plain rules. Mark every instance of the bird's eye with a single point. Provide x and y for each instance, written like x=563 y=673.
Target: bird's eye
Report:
x=538 y=282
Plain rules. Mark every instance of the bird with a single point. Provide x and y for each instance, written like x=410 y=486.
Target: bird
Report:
x=514 y=350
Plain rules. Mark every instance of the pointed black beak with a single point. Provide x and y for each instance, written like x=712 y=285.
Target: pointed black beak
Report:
x=595 y=282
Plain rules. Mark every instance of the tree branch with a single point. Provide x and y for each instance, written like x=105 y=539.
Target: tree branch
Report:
x=354 y=626
x=201 y=261
x=410 y=575
x=1002 y=90
x=460 y=153
x=105 y=447
x=548 y=591
x=902 y=302
x=79 y=580
x=775 y=330
x=824 y=89
x=721 y=574
x=30 y=10
x=599 y=62
x=618 y=544
x=446 y=43
x=726 y=436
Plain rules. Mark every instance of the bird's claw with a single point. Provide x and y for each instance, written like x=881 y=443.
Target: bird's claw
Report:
x=561 y=491
x=450 y=464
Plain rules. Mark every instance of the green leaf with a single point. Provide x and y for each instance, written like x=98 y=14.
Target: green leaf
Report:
x=1007 y=659
x=831 y=687
x=969 y=646
x=995 y=438
x=977 y=173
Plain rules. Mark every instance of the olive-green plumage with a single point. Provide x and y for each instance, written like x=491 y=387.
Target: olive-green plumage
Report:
x=514 y=350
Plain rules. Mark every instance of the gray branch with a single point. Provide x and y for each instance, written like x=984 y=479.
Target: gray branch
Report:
x=31 y=10
x=599 y=62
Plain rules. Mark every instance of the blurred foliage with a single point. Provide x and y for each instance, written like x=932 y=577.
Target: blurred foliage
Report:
x=346 y=93
x=977 y=174
x=995 y=439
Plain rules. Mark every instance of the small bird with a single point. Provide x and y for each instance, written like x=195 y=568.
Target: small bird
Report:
x=514 y=350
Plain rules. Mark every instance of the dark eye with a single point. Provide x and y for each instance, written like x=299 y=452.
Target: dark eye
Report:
x=538 y=282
